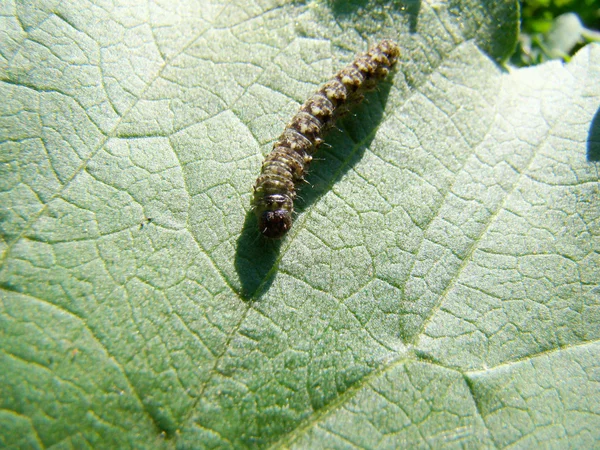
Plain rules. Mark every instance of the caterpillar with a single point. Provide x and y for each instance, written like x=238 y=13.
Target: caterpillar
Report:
x=287 y=164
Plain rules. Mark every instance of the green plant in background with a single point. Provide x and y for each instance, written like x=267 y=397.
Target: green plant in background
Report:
x=555 y=29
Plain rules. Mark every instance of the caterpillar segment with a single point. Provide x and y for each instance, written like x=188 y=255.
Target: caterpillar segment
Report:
x=287 y=164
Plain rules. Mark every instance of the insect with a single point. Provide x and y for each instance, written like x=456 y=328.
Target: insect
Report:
x=287 y=164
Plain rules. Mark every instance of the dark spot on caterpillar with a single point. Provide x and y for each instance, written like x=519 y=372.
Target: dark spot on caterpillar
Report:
x=287 y=164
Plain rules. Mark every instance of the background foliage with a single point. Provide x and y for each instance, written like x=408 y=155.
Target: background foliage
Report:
x=555 y=29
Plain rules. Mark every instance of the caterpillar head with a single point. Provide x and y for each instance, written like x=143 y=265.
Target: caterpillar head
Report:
x=274 y=224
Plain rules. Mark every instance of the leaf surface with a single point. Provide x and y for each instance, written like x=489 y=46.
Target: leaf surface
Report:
x=439 y=287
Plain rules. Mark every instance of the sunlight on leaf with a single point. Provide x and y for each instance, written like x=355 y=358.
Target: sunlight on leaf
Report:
x=439 y=287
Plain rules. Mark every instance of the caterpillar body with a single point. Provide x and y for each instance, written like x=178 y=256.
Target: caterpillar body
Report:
x=287 y=164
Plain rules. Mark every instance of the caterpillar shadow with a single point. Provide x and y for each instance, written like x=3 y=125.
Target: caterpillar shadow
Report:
x=257 y=257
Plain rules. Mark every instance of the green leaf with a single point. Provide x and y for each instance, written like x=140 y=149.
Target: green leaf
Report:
x=439 y=286
x=566 y=32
